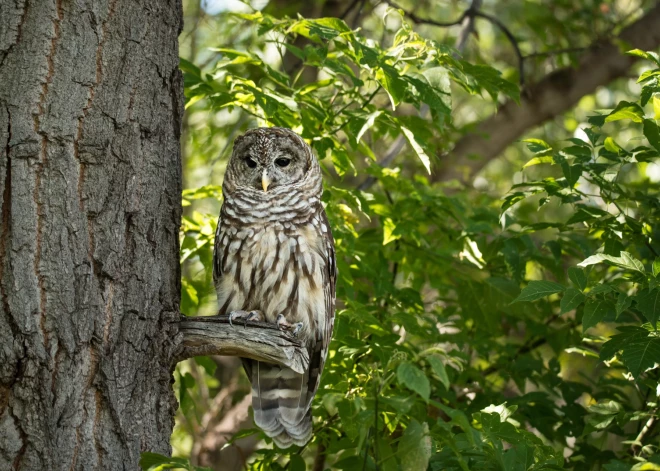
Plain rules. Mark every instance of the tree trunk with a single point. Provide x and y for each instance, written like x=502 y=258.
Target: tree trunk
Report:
x=90 y=182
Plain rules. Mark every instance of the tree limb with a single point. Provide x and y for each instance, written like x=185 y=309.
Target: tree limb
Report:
x=256 y=340
x=553 y=95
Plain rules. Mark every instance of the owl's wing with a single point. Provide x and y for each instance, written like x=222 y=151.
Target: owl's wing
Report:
x=319 y=350
x=218 y=251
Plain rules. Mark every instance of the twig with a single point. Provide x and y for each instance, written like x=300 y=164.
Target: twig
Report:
x=256 y=340
x=472 y=12
x=468 y=27
x=510 y=37
x=648 y=426
x=428 y=21
x=319 y=459
x=348 y=9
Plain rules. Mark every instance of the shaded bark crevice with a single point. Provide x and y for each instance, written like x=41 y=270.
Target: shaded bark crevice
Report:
x=19 y=31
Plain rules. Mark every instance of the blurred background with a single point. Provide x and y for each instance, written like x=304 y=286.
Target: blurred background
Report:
x=527 y=42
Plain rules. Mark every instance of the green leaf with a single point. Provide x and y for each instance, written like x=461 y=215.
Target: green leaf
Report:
x=578 y=277
x=438 y=367
x=652 y=133
x=367 y=124
x=155 y=462
x=415 y=447
x=623 y=302
x=648 y=302
x=393 y=84
x=611 y=145
x=572 y=173
x=547 y=159
x=625 y=260
x=595 y=311
x=388 y=231
x=414 y=378
x=538 y=146
x=656 y=267
x=656 y=107
x=417 y=148
x=538 y=289
x=640 y=354
x=650 y=55
x=297 y=463
x=572 y=299
x=626 y=110
x=209 y=365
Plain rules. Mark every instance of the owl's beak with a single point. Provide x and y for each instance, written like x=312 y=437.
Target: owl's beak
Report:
x=265 y=181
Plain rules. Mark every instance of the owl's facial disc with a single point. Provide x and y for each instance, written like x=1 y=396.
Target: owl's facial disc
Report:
x=265 y=159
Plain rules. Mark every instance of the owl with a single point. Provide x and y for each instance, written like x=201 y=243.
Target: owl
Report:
x=274 y=261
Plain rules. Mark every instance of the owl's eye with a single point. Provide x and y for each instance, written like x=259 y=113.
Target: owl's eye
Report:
x=250 y=163
x=282 y=162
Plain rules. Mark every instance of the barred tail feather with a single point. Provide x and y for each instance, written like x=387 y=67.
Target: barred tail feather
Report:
x=280 y=403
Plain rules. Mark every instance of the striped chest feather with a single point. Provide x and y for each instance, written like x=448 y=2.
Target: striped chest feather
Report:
x=275 y=270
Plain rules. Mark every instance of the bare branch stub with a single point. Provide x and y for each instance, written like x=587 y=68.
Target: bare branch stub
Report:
x=259 y=341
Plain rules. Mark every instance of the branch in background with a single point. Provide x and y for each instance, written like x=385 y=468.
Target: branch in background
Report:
x=512 y=39
x=256 y=340
x=468 y=27
x=467 y=19
x=553 y=95
x=555 y=52
x=418 y=20
x=211 y=449
x=398 y=143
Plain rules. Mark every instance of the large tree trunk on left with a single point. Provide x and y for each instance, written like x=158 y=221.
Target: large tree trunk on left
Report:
x=90 y=181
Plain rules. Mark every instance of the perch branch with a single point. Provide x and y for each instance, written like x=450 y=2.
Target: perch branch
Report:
x=256 y=340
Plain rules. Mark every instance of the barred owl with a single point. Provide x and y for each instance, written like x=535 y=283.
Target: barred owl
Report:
x=274 y=261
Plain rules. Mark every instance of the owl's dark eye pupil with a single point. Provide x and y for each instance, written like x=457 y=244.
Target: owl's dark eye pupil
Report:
x=282 y=162
x=250 y=163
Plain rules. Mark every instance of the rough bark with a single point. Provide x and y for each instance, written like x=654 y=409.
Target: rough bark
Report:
x=551 y=96
x=90 y=181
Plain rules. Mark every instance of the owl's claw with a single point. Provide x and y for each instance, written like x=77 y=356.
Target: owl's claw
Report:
x=296 y=328
x=246 y=316
x=284 y=325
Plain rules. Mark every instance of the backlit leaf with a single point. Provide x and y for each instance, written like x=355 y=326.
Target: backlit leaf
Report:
x=538 y=289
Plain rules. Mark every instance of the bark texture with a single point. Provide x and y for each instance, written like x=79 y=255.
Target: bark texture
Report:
x=212 y=335
x=554 y=94
x=90 y=181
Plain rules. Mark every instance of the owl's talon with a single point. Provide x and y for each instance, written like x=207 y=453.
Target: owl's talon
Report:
x=245 y=315
x=282 y=323
x=296 y=328
x=253 y=316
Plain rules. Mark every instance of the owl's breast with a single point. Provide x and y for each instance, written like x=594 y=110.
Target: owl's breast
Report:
x=276 y=270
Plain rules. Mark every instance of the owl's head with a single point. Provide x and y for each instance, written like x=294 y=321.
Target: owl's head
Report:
x=270 y=159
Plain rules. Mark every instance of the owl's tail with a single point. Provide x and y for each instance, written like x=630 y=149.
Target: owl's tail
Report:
x=280 y=402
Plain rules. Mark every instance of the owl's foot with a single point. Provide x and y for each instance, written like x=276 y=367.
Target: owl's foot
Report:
x=284 y=325
x=247 y=316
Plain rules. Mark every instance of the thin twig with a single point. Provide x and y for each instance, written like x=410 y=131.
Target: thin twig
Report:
x=512 y=39
x=348 y=9
x=428 y=21
x=472 y=12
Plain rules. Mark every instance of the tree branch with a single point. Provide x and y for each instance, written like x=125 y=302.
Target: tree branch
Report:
x=553 y=95
x=256 y=340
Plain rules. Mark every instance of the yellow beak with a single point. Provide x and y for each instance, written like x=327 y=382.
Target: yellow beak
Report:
x=265 y=181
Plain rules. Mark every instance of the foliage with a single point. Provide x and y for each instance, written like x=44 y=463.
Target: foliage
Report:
x=473 y=332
